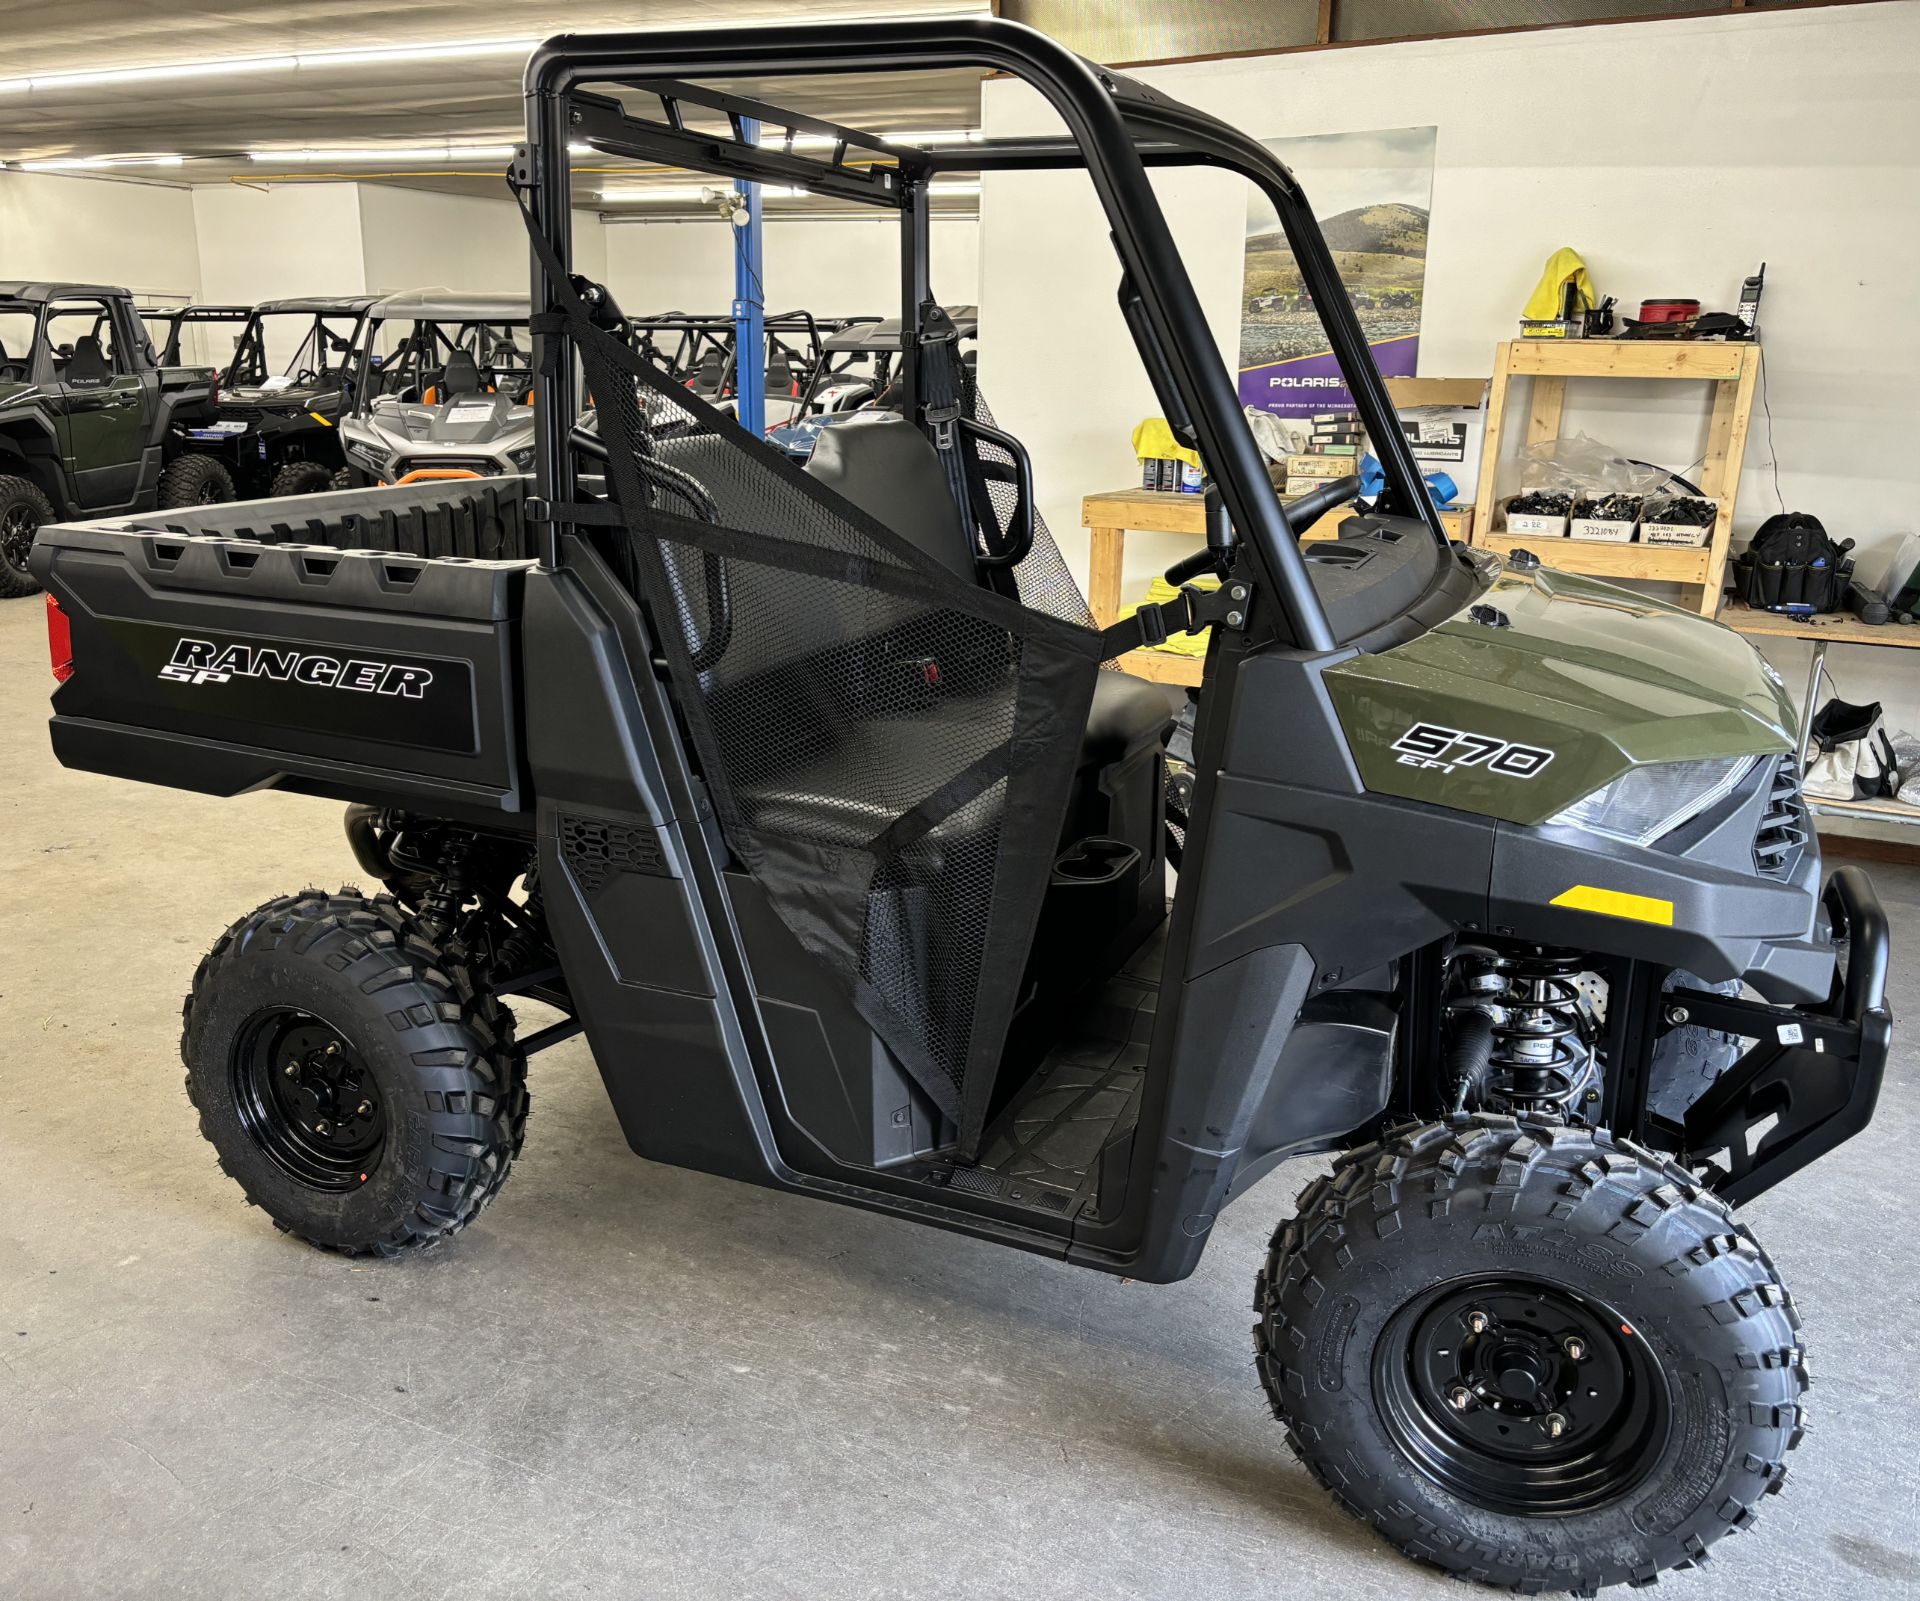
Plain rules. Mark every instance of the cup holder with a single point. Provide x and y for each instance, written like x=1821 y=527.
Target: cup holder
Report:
x=1096 y=860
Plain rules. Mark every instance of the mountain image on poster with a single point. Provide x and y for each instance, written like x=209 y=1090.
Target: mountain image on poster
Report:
x=1371 y=193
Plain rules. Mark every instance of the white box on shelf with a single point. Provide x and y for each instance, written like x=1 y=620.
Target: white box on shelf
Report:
x=1601 y=530
x=1529 y=522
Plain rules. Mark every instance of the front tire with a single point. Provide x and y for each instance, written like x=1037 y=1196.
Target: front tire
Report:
x=301 y=478
x=1532 y=1356
x=356 y=1079
x=194 y=481
x=24 y=511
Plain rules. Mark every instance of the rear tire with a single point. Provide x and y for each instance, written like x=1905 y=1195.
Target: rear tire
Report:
x=24 y=511
x=1628 y=1398
x=194 y=481
x=343 y=479
x=301 y=478
x=356 y=1079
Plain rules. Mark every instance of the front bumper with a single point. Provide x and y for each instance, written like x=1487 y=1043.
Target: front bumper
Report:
x=1813 y=1072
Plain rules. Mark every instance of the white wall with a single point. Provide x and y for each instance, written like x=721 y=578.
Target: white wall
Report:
x=270 y=242
x=1683 y=154
x=416 y=238
x=99 y=230
x=831 y=268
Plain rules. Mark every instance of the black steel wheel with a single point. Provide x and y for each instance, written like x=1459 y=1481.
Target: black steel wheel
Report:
x=24 y=511
x=1530 y=1355
x=1522 y=1396
x=309 y=1101
x=355 y=1077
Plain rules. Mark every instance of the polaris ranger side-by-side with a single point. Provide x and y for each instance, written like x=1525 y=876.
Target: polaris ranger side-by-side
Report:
x=806 y=795
x=87 y=418
x=283 y=392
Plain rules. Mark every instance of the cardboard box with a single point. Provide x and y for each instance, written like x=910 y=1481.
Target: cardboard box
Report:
x=1527 y=522
x=1692 y=535
x=1324 y=467
x=1601 y=530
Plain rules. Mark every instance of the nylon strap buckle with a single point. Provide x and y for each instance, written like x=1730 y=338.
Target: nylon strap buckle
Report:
x=942 y=418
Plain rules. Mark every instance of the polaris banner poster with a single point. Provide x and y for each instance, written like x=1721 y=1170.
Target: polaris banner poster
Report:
x=1371 y=193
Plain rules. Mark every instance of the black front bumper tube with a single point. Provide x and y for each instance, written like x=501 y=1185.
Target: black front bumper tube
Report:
x=1812 y=1077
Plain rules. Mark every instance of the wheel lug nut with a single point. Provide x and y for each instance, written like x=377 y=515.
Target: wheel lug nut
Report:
x=1478 y=1321
x=293 y=1070
x=1556 y=1425
x=1460 y=1397
x=333 y=1050
x=1576 y=1349
x=323 y=1127
x=364 y=1109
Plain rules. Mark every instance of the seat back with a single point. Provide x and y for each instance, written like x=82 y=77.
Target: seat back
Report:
x=461 y=376
x=891 y=471
x=88 y=364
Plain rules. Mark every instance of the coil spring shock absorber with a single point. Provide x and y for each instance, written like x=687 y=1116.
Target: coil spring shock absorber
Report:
x=1540 y=1060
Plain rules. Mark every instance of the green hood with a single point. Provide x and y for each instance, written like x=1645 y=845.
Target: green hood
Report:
x=1600 y=677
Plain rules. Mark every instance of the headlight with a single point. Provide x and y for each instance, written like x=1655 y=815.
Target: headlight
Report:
x=1646 y=802
x=370 y=456
x=522 y=459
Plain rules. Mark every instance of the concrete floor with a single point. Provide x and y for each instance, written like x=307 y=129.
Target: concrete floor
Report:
x=632 y=1381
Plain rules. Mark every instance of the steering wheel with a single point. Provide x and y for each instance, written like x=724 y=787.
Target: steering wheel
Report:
x=13 y=372
x=1301 y=515
x=305 y=376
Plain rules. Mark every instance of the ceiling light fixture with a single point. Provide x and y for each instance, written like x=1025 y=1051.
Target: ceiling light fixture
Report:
x=441 y=154
x=301 y=61
x=73 y=163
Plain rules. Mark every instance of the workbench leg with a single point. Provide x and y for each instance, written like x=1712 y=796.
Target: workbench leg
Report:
x=1106 y=553
x=1807 y=707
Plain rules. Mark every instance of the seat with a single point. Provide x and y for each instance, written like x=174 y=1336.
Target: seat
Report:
x=460 y=376
x=890 y=470
x=88 y=366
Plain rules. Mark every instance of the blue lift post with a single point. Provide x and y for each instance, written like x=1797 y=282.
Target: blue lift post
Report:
x=749 y=306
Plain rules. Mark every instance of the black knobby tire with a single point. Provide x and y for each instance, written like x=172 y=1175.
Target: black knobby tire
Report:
x=1496 y=1212
x=301 y=478
x=24 y=511
x=343 y=479
x=194 y=480
x=445 y=1086
x=1687 y=1059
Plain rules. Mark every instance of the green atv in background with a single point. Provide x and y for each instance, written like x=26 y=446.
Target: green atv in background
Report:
x=89 y=422
x=282 y=394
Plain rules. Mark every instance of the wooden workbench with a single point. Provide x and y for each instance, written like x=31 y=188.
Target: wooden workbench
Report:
x=1108 y=516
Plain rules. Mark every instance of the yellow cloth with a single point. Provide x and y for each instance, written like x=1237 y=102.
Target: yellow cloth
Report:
x=1153 y=439
x=1563 y=267
x=1159 y=592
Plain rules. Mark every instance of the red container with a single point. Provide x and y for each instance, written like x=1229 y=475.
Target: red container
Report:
x=1669 y=310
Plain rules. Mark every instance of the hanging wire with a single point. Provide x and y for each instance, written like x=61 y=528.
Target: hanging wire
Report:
x=1773 y=455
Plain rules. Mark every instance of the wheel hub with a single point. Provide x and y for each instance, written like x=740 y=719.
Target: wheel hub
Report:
x=1521 y=1396
x=308 y=1100
x=18 y=525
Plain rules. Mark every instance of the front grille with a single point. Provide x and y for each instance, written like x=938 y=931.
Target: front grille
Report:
x=485 y=466
x=1782 y=832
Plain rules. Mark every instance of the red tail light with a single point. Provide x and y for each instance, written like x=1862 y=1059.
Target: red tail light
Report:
x=59 y=641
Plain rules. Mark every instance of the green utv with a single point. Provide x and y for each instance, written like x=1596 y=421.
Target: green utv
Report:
x=805 y=794
x=88 y=418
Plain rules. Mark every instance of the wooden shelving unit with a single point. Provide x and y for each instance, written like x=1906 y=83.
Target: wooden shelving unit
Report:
x=1547 y=364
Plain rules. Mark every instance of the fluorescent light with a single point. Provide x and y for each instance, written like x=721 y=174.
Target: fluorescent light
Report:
x=946 y=136
x=344 y=155
x=72 y=163
x=956 y=186
x=302 y=61
x=688 y=193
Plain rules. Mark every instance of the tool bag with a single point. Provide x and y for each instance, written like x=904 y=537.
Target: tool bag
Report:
x=1793 y=565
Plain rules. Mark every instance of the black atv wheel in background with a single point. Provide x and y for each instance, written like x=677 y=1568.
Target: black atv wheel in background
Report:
x=24 y=511
x=1530 y=1355
x=194 y=480
x=343 y=479
x=358 y=1083
x=301 y=478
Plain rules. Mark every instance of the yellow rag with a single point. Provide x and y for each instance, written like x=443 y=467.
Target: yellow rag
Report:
x=1153 y=439
x=1549 y=298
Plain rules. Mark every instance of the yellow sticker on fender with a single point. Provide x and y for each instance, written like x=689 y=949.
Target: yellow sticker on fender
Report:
x=1616 y=903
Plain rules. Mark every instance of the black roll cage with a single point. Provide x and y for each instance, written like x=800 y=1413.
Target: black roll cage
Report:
x=1117 y=129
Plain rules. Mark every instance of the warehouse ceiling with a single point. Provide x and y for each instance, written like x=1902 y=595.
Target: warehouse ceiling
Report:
x=366 y=81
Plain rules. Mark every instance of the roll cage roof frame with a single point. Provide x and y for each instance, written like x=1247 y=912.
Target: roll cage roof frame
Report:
x=1117 y=128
